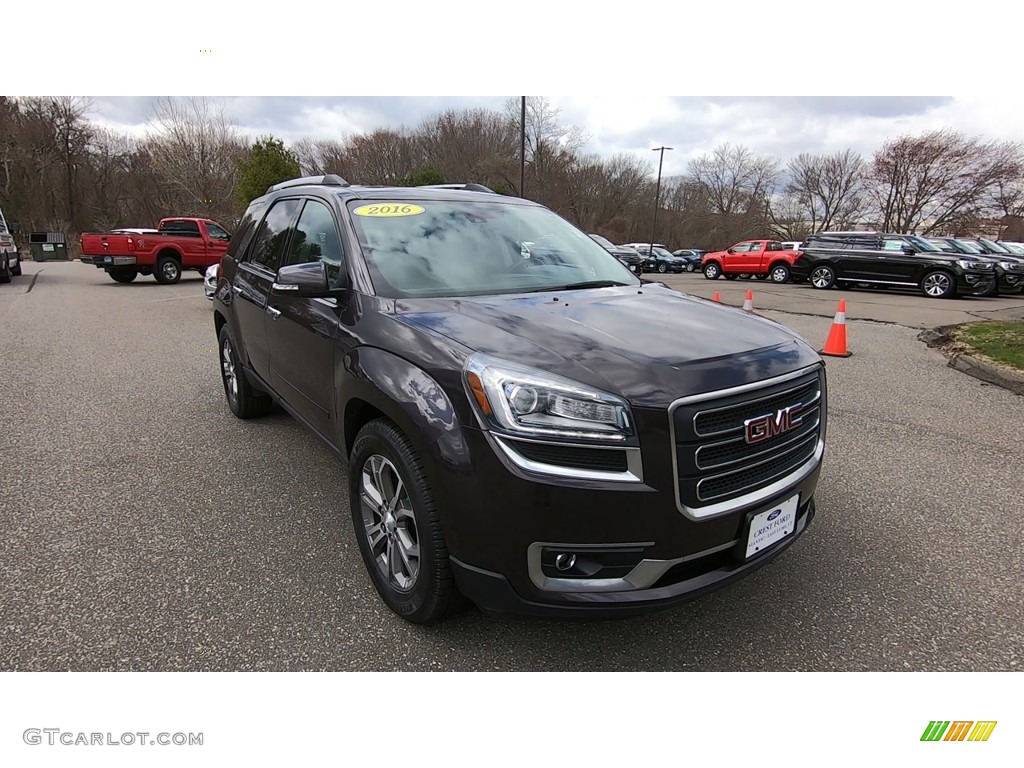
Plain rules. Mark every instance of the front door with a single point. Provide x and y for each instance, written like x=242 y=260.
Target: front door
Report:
x=301 y=331
x=253 y=279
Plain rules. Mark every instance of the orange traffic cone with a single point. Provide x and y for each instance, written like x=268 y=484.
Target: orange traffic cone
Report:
x=716 y=297
x=835 y=345
x=748 y=304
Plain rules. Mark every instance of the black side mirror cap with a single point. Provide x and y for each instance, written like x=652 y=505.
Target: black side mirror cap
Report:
x=304 y=280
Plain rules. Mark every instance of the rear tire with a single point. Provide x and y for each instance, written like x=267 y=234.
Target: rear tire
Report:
x=823 y=277
x=243 y=399
x=5 y=271
x=168 y=270
x=397 y=526
x=16 y=269
x=123 y=275
x=779 y=273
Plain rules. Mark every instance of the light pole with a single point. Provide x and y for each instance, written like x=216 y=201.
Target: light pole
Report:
x=522 y=147
x=657 y=195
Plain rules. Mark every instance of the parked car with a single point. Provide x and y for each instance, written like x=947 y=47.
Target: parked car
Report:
x=761 y=258
x=10 y=259
x=1009 y=271
x=626 y=255
x=1017 y=249
x=662 y=260
x=691 y=256
x=791 y=245
x=210 y=280
x=179 y=244
x=1011 y=264
x=555 y=438
x=879 y=260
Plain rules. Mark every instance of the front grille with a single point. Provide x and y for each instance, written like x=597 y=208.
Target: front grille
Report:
x=715 y=463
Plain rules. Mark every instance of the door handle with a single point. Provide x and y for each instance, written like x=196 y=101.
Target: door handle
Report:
x=274 y=313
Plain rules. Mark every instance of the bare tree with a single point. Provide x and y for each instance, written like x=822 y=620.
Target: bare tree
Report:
x=827 y=190
x=195 y=151
x=927 y=183
x=736 y=184
x=551 y=145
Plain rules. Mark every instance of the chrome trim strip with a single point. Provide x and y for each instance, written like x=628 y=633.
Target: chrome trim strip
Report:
x=634 y=462
x=328 y=302
x=773 y=448
x=713 y=510
x=817 y=397
x=284 y=287
x=800 y=445
x=643 y=575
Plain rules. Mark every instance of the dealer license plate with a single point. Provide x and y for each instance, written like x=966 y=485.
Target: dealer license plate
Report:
x=772 y=525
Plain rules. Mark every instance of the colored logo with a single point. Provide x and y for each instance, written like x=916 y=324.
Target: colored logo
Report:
x=775 y=514
x=772 y=424
x=958 y=730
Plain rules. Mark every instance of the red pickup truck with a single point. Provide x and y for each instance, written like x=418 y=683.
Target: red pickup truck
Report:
x=762 y=258
x=178 y=244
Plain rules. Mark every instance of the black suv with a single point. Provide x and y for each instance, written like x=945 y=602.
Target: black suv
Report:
x=1009 y=267
x=876 y=260
x=530 y=427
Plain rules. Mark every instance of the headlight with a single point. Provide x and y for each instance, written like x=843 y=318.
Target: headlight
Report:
x=967 y=264
x=525 y=401
x=1011 y=265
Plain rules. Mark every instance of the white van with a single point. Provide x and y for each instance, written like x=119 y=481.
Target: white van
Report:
x=10 y=261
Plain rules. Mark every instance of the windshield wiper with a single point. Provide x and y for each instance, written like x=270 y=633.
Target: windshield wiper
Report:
x=585 y=284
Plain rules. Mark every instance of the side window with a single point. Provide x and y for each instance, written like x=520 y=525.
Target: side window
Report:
x=217 y=233
x=775 y=246
x=741 y=248
x=316 y=239
x=272 y=237
x=892 y=245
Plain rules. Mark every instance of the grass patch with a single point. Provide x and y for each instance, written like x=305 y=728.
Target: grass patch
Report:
x=1002 y=342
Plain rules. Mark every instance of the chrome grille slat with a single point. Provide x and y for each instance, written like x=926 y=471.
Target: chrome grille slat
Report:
x=789 y=396
x=810 y=426
x=763 y=470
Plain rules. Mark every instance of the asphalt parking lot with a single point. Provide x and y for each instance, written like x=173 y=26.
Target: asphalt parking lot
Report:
x=145 y=528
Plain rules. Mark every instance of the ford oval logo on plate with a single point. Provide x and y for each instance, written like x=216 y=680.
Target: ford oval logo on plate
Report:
x=775 y=514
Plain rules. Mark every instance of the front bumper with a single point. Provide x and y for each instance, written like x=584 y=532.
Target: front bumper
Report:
x=975 y=283
x=494 y=593
x=1010 y=283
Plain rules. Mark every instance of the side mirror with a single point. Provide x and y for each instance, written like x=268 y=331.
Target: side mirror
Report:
x=909 y=250
x=730 y=251
x=306 y=280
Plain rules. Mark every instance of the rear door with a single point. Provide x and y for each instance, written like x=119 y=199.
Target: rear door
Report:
x=301 y=331
x=253 y=278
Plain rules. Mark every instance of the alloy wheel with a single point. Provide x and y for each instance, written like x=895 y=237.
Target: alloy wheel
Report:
x=937 y=285
x=389 y=523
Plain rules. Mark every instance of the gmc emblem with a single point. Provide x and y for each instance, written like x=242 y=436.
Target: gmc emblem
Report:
x=771 y=425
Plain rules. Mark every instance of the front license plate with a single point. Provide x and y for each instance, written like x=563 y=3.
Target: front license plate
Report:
x=772 y=525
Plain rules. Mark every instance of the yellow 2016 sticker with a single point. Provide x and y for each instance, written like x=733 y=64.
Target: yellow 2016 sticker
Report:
x=388 y=209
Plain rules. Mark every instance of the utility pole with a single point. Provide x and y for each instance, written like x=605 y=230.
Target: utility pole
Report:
x=657 y=195
x=522 y=148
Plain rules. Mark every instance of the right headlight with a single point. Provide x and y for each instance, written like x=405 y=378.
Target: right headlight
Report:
x=1011 y=265
x=519 y=400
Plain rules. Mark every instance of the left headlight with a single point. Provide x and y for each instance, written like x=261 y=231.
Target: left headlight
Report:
x=524 y=401
x=1010 y=265
x=968 y=264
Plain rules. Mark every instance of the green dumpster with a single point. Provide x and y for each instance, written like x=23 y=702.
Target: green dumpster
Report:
x=48 y=246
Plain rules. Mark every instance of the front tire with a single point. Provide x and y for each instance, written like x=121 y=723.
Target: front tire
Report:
x=938 y=285
x=168 y=270
x=16 y=269
x=712 y=271
x=397 y=526
x=690 y=267
x=243 y=399
x=662 y=268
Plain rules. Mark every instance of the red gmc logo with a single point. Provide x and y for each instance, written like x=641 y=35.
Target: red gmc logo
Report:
x=770 y=425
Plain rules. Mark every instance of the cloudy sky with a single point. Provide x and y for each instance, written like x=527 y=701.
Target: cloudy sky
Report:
x=783 y=126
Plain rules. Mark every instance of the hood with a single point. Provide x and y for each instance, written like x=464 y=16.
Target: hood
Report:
x=650 y=344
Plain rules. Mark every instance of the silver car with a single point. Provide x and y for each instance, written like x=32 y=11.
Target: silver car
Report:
x=210 y=281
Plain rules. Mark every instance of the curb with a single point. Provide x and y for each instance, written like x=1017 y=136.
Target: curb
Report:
x=941 y=338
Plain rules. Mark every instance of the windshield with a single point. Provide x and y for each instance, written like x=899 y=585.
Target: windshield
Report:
x=663 y=253
x=923 y=244
x=446 y=248
x=1014 y=248
x=992 y=246
x=969 y=247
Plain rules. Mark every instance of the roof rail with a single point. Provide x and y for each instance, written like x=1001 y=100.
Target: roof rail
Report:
x=467 y=187
x=327 y=179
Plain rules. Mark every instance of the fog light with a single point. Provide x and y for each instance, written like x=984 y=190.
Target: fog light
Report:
x=565 y=561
